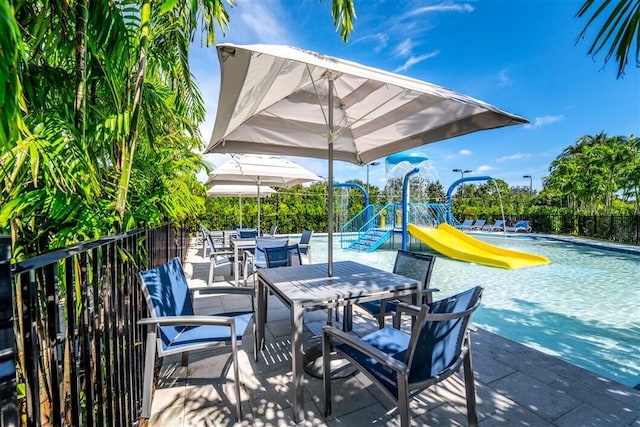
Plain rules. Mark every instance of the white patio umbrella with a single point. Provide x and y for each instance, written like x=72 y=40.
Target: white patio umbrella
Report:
x=279 y=99
x=260 y=170
x=240 y=191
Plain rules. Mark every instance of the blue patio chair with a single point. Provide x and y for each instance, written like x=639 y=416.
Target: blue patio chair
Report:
x=410 y=264
x=283 y=256
x=247 y=233
x=255 y=258
x=272 y=230
x=403 y=364
x=305 y=244
x=173 y=327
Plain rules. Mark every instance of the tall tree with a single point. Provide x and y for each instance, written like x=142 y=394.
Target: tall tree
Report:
x=592 y=172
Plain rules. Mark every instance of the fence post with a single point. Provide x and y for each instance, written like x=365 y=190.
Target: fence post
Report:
x=8 y=398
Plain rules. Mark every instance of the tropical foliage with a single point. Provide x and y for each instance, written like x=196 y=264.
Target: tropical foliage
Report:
x=596 y=174
x=100 y=115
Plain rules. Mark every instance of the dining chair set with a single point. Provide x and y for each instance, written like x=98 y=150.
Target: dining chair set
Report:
x=402 y=359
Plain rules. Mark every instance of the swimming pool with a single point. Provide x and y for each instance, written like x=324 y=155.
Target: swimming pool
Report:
x=584 y=307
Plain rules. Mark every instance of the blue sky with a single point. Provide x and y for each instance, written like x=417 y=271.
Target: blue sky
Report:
x=519 y=55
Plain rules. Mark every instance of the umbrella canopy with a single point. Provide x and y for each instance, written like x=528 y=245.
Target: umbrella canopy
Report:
x=240 y=191
x=279 y=99
x=260 y=170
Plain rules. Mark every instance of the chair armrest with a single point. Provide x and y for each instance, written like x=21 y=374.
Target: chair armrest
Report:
x=367 y=349
x=410 y=309
x=188 y=320
x=208 y=290
x=221 y=252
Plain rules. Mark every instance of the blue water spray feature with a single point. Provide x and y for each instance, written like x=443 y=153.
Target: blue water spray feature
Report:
x=365 y=193
x=405 y=207
x=412 y=159
x=449 y=216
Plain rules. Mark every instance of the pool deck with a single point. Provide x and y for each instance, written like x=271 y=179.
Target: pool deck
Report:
x=515 y=385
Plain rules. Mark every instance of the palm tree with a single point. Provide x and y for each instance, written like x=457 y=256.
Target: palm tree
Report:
x=620 y=31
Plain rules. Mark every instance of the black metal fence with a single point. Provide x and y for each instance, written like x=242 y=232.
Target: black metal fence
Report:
x=80 y=353
x=619 y=229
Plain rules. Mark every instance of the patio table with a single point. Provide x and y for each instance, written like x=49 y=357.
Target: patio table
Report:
x=307 y=288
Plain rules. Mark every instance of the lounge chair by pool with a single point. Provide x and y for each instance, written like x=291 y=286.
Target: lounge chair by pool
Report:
x=496 y=226
x=478 y=224
x=466 y=225
x=520 y=226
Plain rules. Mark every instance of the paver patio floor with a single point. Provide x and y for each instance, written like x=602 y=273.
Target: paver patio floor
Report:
x=515 y=385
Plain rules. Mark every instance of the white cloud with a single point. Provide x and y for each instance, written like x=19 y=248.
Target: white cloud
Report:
x=413 y=60
x=404 y=48
x=544 y=120
x=465 y=152
x=442 y=7
x=503 y=78
x=257 y=18
x=516 y=156
x=484 y=168
x=381 y=41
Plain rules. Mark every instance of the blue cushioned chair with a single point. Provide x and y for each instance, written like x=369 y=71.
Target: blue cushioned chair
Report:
x=256 y=259
x=410 y=264
x=403 y=364
x=282 y=256
x=247 y=233
x=173 y=327
x=305 y=244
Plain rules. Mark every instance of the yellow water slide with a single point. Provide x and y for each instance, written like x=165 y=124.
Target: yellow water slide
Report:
x=455 y=244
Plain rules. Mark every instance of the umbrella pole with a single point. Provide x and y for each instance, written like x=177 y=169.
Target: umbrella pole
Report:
x=258 y=206
x=330 y=183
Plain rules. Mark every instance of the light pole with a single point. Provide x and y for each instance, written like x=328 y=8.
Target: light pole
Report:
x=530 y=184
x=370 y=164
x=462 y=172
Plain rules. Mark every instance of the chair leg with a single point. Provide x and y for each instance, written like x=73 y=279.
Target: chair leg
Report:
x=470 y=387
x=236 y=376
x=403 y=401
x=212 y=269
x=245 y=269
x=149 y=365
x=326 y=373
x=255 y=338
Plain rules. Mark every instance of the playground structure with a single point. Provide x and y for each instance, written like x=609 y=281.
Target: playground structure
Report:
x=431 y=223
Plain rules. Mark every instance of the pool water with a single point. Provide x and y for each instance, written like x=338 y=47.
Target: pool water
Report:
x=583 y=307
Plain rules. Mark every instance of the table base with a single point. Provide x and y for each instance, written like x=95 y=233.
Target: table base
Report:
x=340 y=368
